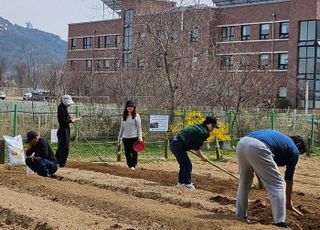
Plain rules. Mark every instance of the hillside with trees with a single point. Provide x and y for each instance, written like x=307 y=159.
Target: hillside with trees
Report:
x=18 y=44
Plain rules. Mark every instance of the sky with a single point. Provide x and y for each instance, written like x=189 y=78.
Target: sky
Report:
x=53 y=16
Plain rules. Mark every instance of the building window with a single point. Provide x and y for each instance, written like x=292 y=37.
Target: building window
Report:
x=307 y=61
x=107 y=64
x=245 y=33
x=140 y=63
x=226 y=62
x=115 y=64
x=88 y=64
x=307 y=31
x=127 y=60
x=99 y=64
x=195 y=34
x=283 y=61
x=264 y=31
x=284 y=29
x=160 y=35
x=245 y=61
x=228 y=33
x=175 y=35
x=141 y=37
x=107 y=41
x=128 y=16
x=73 y=44
x=194 y=59
x=159 y=61
x=100 y=42
x=87 y=43
x=263 y=61
x=73 y=64
x=127 y=38
x=117 y=41
x=283 y=92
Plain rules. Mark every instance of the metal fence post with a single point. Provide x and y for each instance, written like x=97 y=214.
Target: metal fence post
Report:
x=183 y=118
x=308 y=153
x=166 y=150
x=229 y=123
x=273 y=120
x=2 y=149
x=312 y=129
x=76 y=132
x=15 y=120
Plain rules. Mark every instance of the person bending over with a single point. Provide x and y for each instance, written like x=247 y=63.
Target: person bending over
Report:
x=39 y=156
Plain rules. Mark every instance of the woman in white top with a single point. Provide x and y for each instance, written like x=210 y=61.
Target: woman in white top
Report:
x=130 y=132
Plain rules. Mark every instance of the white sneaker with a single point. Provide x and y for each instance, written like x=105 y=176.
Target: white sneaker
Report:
x=133 y=168
x=190 y=186
x=179 y=185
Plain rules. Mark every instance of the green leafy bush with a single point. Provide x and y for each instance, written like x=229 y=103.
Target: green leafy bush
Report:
x=282 y=103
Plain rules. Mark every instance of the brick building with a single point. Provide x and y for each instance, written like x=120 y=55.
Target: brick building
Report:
x=281 y=35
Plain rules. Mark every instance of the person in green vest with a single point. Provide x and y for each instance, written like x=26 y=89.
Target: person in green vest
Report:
x=190 y=138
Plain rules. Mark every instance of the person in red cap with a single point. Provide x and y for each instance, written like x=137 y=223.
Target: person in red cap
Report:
x=190 y=138
x=64 y=129
x=130 y=132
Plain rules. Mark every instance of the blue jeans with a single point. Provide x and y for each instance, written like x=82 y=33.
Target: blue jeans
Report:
x=178 y=149
x=41 y=166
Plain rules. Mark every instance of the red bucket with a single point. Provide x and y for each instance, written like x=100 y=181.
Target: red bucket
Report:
x=138 y=146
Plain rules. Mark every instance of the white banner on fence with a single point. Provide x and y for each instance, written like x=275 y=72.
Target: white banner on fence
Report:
x=54 y=136
x=159 y=123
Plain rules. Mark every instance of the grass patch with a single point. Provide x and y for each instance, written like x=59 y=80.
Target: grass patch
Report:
x=153 y=152
x=315 y=150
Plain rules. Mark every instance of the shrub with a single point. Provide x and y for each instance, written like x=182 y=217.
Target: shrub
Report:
x=195 y=117
x=281 y=103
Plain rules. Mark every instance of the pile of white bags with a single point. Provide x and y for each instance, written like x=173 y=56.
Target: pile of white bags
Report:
x=14 y=150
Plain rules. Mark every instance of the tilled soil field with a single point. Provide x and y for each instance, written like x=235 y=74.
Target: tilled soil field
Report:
x=111 y=196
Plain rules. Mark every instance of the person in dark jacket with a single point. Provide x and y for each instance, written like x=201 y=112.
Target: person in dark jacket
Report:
x=190 y=138
x=64 y=129
x=39 y=156
x=262 y=151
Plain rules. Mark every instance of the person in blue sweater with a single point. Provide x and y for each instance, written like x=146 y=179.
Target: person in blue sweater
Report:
x=262 y=152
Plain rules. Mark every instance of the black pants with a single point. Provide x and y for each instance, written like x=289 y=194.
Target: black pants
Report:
x=42 y=166
x=63 y=146
x=178 y=149
x=131 y=155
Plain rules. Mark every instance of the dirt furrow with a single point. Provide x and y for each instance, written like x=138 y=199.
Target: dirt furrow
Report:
x=259 y=210
x=148 y=198
x=27 y=211
x=122 y=208
x=9 y=219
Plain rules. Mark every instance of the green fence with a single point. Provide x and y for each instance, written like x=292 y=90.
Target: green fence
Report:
x=100 y=123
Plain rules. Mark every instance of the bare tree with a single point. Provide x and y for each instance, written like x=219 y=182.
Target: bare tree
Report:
x=173 y=71
x=53 y=78
x=21 y=69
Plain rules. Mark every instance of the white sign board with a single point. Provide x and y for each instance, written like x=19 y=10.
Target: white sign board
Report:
x=159 y=123
x=54 y=136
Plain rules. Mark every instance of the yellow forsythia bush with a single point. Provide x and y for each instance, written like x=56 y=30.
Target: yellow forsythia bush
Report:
x=197 y=118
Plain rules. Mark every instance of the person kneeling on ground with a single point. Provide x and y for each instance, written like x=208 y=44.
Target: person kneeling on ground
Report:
x=190 y=138
x=40 y=157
